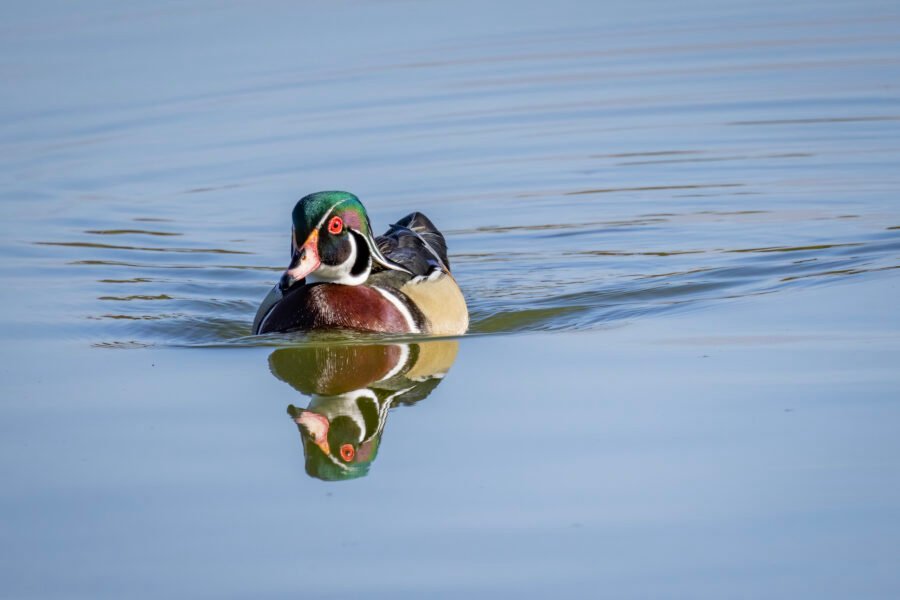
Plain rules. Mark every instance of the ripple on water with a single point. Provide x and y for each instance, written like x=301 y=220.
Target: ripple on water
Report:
x=583 y=176
x=556 y=286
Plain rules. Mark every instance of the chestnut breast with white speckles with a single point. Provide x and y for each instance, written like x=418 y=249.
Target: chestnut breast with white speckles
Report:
x=329 y=306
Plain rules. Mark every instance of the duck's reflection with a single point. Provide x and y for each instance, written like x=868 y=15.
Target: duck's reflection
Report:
x=351 y=389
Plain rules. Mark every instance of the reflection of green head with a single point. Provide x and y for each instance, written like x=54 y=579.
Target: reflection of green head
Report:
x=343 y=446
x=352 y=387
x=331 y=468
x=318 y=466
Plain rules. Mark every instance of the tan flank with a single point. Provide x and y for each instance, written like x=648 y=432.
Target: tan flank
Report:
x=442 y=303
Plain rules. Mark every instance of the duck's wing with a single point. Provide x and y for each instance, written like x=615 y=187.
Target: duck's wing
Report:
x=416 y=244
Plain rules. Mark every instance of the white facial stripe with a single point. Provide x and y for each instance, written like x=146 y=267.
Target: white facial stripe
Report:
x=340 y=273
x=328 y=214
x=347 y=405
x=374 y=251
x=335 y=461
x=318 y=225
x=398 y=304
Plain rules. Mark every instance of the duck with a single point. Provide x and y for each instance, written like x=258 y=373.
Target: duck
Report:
x=343 y=278
x=351 y=388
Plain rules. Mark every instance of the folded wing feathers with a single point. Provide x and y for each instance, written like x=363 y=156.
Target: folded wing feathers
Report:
x=415 y=243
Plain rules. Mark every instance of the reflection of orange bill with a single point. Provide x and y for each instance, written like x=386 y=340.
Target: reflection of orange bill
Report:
x=316 y=426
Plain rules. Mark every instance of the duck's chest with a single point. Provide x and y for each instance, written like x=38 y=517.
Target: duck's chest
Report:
x=329 y=306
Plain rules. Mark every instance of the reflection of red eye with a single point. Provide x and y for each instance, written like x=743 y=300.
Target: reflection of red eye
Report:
x=347 y=452
x=335 y=225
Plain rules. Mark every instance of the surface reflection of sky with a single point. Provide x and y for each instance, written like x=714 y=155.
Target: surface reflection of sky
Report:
x=698 y=198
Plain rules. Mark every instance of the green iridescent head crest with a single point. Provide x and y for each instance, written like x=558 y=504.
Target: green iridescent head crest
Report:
x=312 y=211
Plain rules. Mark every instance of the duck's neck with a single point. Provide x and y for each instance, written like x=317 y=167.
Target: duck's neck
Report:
x=353 y=271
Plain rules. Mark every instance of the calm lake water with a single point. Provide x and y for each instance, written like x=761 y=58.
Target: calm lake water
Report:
x=677 y=229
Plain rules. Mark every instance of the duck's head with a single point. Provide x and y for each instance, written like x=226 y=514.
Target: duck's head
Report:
x=340 y=434
x=331 y=241
x=352 y=387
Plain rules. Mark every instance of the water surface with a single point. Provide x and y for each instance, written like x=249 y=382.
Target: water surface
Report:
x=677 y=231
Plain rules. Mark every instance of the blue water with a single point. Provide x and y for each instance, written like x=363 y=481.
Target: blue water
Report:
x=677 y=230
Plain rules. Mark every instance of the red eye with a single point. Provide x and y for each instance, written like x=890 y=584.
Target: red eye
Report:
x=335 y=225
x=347 y=452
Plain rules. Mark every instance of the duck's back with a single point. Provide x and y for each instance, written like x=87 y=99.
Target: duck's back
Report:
x=418 y=246
x=415 y=243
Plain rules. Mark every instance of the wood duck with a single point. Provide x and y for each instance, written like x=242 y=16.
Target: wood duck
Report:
x=352 y=387
x=341 y=277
